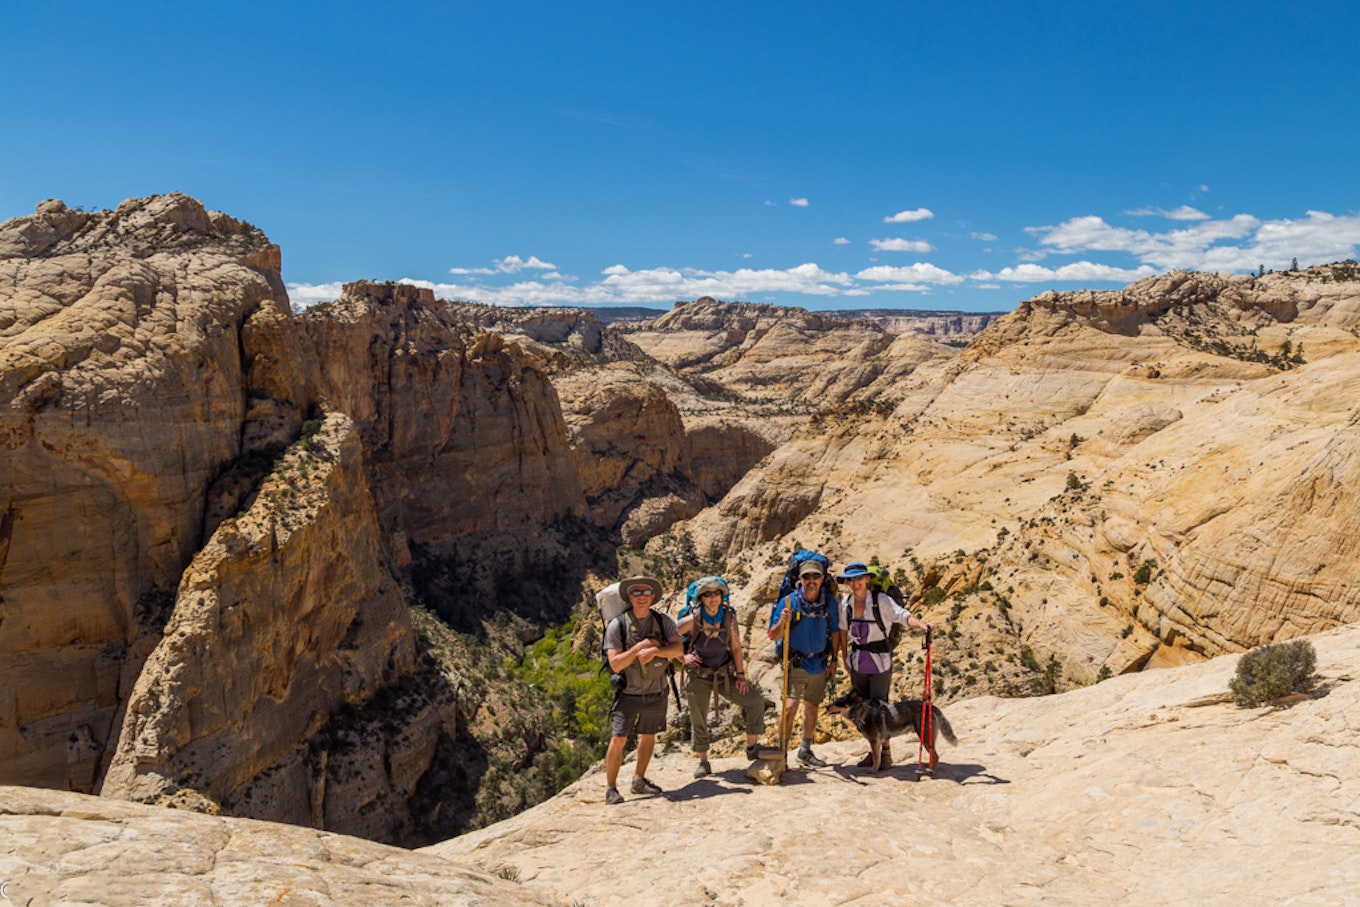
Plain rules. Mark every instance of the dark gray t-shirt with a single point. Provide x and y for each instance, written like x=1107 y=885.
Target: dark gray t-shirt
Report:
x=624 y=632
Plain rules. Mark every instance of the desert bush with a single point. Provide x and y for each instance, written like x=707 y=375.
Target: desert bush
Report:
x=1270 y=672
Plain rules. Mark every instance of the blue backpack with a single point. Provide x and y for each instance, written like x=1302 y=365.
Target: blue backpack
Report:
x=692 y=606
x=790 y=580
x=790 y=583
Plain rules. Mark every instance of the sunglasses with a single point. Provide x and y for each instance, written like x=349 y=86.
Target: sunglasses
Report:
x=643 y=591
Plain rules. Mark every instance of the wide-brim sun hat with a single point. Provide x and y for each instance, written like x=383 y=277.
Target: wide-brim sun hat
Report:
x=633 y=581
x=710 y=584
x=853 y=570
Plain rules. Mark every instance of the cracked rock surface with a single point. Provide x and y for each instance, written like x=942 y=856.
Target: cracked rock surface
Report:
x=1143 y=789
x=1148 y=788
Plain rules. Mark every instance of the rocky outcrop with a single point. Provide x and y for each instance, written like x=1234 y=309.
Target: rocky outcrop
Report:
x=1104 y=481
x=464 y=433
x=286 y=630
x=127 y=386
x=1141 y=788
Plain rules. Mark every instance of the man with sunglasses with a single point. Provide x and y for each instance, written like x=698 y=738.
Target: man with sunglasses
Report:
x=639 y=643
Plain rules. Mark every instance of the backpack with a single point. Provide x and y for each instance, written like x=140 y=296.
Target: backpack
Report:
x=880 y=583
x=692 y=605
x=790 y=583
x=611 y=603
x=790 y=580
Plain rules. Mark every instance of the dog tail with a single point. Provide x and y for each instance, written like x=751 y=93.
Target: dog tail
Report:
x=942 y=725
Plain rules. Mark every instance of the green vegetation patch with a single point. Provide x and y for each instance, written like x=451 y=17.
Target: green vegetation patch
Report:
x=1273 y=671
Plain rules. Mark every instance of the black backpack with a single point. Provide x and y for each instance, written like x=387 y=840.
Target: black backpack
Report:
x=878 y=646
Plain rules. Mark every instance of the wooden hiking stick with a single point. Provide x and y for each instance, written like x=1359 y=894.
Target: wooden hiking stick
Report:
x=784 y=701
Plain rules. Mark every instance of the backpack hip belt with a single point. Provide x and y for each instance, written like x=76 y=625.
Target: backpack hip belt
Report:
x=721 y=677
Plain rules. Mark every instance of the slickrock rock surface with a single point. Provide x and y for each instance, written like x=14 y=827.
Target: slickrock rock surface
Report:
x=1116 y=480
x=1148 y=788
x=63 y=848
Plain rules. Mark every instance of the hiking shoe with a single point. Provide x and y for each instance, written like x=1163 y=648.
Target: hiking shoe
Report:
x=806 y=757
x=753 y=753
x=703 y=769
x=643 y=786
x=612 y=796
x=866 y=762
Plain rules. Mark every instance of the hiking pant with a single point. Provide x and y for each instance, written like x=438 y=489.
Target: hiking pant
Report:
x=699 y=692
x=872 y=686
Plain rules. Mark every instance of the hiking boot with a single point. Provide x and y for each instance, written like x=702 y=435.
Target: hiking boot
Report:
x=703 y=769
x=612 y=796
x=867 y=761
x=643 y=786
x=753 y=752
x=806 y=757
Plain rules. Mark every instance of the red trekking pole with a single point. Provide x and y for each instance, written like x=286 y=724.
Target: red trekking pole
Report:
x=927 y=718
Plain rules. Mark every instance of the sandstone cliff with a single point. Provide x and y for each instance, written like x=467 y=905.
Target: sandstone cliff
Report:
x=126 y=388
x=153 y=375
x=1145 y=788
x=284 y=687
x=1112 y=480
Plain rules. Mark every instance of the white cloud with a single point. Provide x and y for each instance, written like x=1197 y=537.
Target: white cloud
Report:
x=513 y=264
x=985 y=237
x=305 y=295
x=798 y=202
x=1184 y=212
x=469 y=271
x=840 y=241
x=1240 y=243
x=1081 y=271
x=905 y=217
x=919 y=273
x=901 y=245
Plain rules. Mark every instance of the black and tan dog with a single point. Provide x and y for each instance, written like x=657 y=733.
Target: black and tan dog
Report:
x=879 y=721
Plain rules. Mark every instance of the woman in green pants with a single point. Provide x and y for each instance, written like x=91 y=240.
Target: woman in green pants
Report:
x=713 y=662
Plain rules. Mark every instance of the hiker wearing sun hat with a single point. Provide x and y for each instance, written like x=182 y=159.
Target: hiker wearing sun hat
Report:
x=806 y=623
x=870 y=617
x=638 y=643
x=715 y=665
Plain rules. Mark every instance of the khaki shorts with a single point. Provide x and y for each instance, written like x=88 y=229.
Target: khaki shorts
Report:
x=807 y=687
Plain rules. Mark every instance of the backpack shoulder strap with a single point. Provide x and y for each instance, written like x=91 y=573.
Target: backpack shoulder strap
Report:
x=878 y=615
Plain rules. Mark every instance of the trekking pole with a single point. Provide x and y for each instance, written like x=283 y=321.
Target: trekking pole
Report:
x=784 y=701
x=927 y=714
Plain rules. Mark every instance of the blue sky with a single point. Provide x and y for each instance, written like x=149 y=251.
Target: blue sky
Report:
x=856 y=155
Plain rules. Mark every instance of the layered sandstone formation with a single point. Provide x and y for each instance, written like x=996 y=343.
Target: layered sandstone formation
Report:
x=285 y=685
x=951 y=327
x=1113 y=480
x=190 y=471
x=1145 y=788
x=127 y=385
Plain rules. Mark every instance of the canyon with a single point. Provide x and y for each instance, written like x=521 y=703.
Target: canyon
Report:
x=226 y=526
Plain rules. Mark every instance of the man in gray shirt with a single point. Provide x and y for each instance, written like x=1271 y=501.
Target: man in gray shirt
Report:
x=639 y=643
